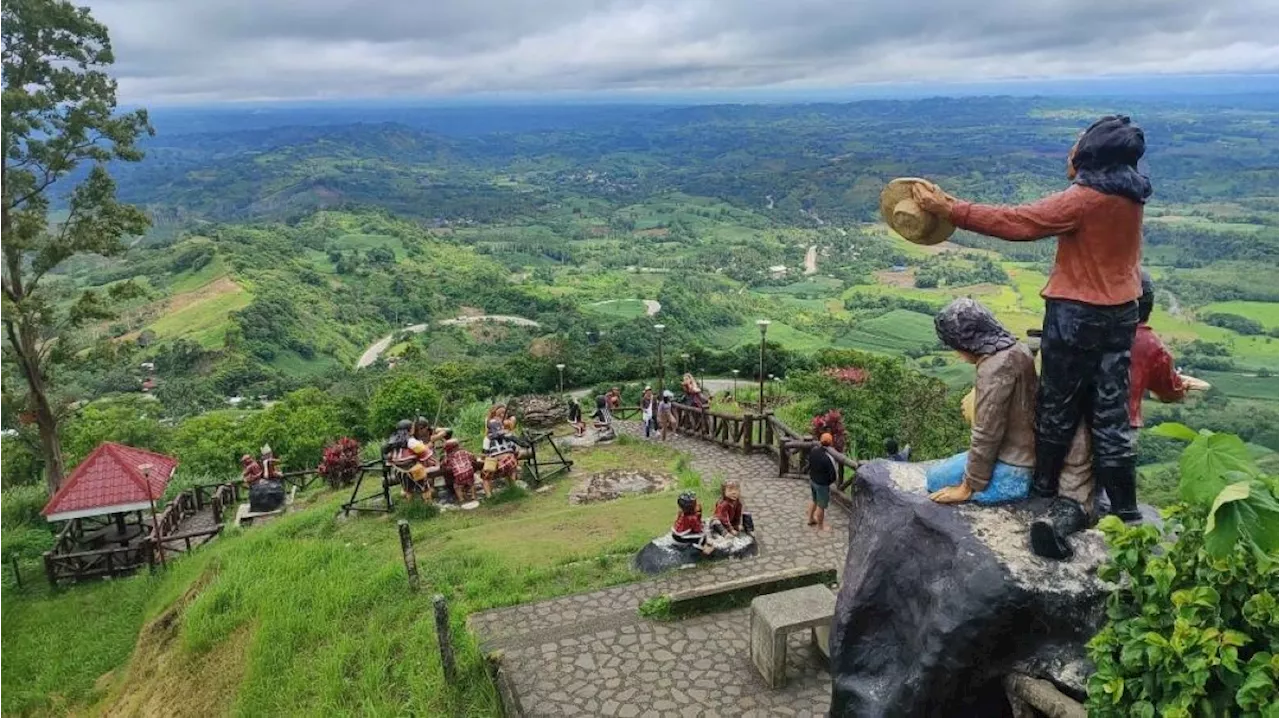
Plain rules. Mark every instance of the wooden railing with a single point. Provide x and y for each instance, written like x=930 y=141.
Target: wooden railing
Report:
x=80 y=565
x=754 y=433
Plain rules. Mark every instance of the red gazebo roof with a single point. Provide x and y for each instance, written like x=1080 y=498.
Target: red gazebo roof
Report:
x=111 y=480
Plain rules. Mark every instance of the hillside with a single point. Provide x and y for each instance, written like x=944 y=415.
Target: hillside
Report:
x=282 y=254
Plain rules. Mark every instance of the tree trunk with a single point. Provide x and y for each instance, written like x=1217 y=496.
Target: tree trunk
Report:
x=50 y=443
x=23 y=344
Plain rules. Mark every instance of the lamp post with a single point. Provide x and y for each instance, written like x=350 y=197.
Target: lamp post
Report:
x=658 y=328
x=560 y=368
x=735 y=386
x=764 y=327
x=684 y=364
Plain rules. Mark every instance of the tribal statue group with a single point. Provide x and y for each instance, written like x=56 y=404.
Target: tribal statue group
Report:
x=411 y=455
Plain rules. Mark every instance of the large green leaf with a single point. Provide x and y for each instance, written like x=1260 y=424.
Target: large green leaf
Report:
x=1174 y=430
x=1205 y=463
x=1245 y=509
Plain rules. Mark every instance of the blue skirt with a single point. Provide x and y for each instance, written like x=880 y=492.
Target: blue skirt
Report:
x=1008 y=483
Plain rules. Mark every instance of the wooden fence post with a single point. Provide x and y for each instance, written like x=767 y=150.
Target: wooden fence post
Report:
x=748 y=427
x=410 y=559
x=442 y=636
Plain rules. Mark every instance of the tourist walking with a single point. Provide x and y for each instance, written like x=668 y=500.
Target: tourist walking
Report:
x=647 y=405
x=575 y=417
x=822 y=474
x=666 y=415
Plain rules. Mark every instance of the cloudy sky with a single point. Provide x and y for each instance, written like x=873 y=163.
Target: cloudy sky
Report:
x=214 y=50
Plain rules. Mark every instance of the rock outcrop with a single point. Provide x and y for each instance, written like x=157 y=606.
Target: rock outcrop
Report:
x=937 y=603
x=616 y=483
x=538 y=411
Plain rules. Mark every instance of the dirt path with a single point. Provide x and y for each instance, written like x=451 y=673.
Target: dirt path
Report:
x=811 y=260
x=651 y=306
x=499 y=318
x=375 y=350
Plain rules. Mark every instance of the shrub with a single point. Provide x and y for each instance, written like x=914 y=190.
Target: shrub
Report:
x=1192 y=627
x=830 y=423
x=341 y=463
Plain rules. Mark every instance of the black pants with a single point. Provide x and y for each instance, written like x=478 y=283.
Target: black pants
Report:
x=1084 y=374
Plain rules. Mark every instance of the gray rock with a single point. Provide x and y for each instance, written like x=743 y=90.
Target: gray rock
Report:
x=615 y=483
x=939 y=602
x=665 y=553
x=538 y=411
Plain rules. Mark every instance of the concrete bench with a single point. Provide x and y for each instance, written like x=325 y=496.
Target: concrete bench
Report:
x=776 y=616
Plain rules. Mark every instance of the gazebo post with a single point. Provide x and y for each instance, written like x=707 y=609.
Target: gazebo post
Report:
x=155 y=525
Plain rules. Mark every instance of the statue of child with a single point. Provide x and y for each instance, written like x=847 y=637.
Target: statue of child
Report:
x=687 y=529
x=729 y=517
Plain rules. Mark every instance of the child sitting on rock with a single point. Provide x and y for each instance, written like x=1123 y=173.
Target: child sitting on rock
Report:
x=729 y=516
x=687 y=530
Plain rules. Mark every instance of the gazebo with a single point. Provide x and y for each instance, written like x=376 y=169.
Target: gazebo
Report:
x=112 y=482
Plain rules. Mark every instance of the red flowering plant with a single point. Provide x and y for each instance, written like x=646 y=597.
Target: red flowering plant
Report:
x=341 y=463
x=848 y=374
x=830 y=423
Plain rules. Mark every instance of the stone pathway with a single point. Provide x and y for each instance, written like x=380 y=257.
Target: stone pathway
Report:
x=592 y=654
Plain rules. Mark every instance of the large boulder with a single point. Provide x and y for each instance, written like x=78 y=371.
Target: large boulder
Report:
x=937 y=603
x=665 y=553
x=538 y=411
x=266 y=495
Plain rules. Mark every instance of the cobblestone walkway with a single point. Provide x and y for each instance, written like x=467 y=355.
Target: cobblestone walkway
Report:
x=592 y=654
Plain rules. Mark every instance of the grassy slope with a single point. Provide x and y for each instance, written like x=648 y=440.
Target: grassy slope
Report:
x=308 y=615
x=1265 y=313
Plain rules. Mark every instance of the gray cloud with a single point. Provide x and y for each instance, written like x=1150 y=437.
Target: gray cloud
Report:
x=208 y=50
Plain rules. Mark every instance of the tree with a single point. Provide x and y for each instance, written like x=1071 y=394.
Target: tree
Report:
x=403 y=397
x=58 y=113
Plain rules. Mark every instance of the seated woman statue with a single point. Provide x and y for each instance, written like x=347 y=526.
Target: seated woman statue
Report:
x=1001 y=456
x=410 y=459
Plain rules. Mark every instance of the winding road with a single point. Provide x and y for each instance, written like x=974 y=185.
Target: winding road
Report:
x=375 y=350
x=811 y=260
x=651 y=306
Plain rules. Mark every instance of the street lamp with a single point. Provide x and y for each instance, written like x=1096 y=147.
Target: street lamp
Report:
x=735 y=386
x=560 y=368
x=684 y=364
x=658 y=328
x=764 y=327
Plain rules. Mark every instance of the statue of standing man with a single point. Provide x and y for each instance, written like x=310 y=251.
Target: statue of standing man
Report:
x=1091 y=312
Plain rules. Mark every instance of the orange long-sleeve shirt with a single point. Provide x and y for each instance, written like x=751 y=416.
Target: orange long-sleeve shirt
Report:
x=1099 y=241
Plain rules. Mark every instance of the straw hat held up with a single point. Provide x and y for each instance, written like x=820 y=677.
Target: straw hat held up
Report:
x=899 y=210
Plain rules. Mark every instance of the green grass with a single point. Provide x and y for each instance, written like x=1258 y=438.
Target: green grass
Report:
x=891 y=333
x=1265 y=313
x=956 y=375
x=308 y=616
x=790 y=337
x=205 y=320
x=620 y=308
x=188 y=281
x=1242 y=386
x=295 y=364
x=820 y=286
x=56 y=645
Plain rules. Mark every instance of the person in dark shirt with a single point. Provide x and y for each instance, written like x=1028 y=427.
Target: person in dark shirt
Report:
x=575 y=417
x=893 y=453
x=822 y=474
